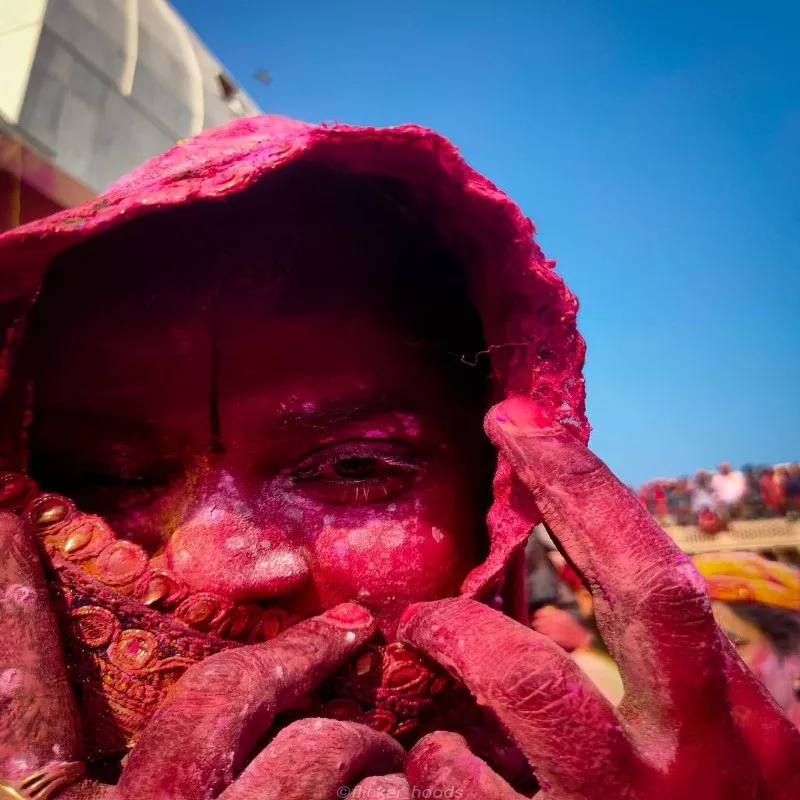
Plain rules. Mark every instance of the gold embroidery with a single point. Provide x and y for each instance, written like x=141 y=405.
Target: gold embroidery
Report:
x=132 y=630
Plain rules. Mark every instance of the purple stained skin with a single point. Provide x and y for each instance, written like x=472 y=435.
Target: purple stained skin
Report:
x=680 y=732
x=318 y=458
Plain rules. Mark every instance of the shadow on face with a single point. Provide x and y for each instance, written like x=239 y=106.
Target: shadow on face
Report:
x=268 y=394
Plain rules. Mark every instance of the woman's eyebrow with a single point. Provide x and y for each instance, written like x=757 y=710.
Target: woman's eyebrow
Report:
x=345 y=409
x=76 y=432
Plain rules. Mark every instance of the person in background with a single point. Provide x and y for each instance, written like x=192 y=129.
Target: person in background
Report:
x=781 y=476
x=660 y=500
x=543 y=586
x=702 y=495
x=729 y=487
x=756 y=602
x=772 y=492
x=752 y=505
x=680 y=501
x=791 y=489
x=707 y=511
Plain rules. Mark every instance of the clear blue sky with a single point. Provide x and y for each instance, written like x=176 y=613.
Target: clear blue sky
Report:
x=657 y=147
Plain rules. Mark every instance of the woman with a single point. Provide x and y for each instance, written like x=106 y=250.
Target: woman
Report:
x=258 y=366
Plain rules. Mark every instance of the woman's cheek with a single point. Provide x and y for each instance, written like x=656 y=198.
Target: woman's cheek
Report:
x=385 y=563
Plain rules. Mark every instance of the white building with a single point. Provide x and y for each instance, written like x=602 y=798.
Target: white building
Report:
x=95 y=87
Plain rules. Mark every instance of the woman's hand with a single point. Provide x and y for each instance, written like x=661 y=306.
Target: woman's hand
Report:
x=39 y=722
x=694 y=723
x=198 y=742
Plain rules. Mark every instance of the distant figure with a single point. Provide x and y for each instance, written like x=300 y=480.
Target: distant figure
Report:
x=680 y=501
x=781 y=477
x=772 y=491
x=660 y=501
x=702 y=495
x=791 y=489
x=729 y=487
x=752 y=504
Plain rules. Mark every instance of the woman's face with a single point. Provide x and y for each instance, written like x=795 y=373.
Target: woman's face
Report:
x=280 y=456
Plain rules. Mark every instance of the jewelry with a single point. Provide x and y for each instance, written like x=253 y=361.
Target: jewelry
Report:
x=44 y=783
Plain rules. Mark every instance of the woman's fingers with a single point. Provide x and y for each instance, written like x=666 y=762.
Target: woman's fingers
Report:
x=560 y=721
x=39 y=721
x=317 y=759
x=200 y=737
x=650 y=603
x=769 y=734
x=442 y=765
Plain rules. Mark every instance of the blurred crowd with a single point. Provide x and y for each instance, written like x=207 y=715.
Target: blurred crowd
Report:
x=716 y=497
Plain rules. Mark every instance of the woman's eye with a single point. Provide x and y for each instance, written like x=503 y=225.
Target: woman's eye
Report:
x=113 y=477
x=124 y=473
x=358 y=472
x=355 y=467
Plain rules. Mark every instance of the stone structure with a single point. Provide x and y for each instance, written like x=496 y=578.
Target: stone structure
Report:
x=92 y=88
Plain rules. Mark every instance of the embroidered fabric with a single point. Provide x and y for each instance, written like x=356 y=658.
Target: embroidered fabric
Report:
x=132 y=630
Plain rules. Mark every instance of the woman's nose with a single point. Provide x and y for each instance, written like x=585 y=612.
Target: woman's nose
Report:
x=225 y=553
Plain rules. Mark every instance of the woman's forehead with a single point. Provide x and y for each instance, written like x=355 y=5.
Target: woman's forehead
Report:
x=331 y=279
x=308 y=253
x=163 y=368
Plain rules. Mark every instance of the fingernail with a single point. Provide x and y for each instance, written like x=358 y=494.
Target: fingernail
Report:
x=406 y=616
x=520 y=411
x=350 y=615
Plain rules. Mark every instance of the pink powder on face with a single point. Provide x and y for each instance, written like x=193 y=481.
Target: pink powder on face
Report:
x=519 y=297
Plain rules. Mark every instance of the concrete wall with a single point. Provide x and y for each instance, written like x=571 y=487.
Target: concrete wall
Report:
x=114 y=82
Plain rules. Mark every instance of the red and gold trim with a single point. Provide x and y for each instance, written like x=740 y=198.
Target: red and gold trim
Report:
x=132 y=629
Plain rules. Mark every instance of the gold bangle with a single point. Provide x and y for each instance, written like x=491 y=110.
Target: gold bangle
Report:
x=44 y=783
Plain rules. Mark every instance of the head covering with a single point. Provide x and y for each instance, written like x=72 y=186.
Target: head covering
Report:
x=738 y=577
x=528 y=314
